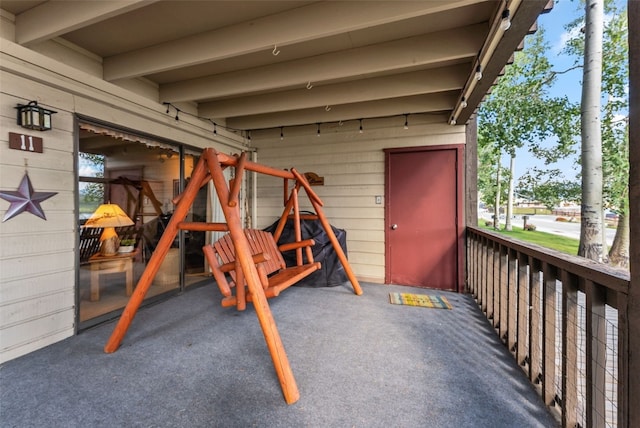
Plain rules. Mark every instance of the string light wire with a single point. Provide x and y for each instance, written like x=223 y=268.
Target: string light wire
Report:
x=247 y=132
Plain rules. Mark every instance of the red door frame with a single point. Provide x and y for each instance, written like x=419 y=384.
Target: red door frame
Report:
x=459 y=149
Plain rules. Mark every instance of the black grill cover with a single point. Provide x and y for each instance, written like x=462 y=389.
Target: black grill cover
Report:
x=332 y=272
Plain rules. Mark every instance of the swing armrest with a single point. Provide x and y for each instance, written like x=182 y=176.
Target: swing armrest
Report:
x=295 y=245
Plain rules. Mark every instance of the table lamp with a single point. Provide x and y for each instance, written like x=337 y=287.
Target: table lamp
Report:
x=108 y=216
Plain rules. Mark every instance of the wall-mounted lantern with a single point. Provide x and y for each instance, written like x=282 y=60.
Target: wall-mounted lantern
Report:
x=32 y=116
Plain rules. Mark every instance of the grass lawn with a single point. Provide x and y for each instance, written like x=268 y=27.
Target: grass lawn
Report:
x=544 y=239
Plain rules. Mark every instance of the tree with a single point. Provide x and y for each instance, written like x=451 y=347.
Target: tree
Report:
x=548 y=187
x=608 y=123
x=591 y=220
x=93 y=192
x=615 y=130
x=490 y=192
x=519 y=112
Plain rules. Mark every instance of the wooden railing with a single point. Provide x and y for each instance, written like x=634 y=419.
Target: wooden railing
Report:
x=563 y=318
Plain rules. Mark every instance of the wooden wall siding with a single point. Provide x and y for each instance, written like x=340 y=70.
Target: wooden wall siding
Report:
x=352 y=165
x=38 y=257
x=37 y=277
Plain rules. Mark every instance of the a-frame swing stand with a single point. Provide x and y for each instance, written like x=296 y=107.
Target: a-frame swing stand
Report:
x=210 y=167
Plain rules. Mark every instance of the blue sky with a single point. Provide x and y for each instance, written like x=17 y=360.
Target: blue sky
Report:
x=569 y=84
x=553 y=23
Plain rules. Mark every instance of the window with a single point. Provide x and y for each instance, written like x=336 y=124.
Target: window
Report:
x=140 y=175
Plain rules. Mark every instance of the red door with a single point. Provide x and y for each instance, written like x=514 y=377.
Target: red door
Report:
x=423 y=236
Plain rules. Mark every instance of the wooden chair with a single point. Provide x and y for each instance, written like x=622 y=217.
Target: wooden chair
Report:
x=275 y=276
x=89 y=243
x=89 y=253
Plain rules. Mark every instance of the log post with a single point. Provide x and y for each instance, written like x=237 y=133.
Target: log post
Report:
x=157 y=257
x=243 y=255
x=285 y=214
x=237 y=181
x=296 y=225
x=317 y=206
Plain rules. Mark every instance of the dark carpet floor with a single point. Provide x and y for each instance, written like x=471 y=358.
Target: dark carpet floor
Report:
x=358 y=362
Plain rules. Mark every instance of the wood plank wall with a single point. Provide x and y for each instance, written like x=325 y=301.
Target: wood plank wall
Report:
x=352 y=165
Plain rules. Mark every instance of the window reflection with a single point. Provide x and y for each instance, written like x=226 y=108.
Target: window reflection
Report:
x=140 y=176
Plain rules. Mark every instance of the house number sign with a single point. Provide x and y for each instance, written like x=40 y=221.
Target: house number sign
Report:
x=27 y=143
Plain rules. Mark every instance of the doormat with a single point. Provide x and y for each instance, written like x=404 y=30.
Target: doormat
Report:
x=438 y=302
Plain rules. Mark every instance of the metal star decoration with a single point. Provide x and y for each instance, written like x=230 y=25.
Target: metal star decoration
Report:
x=24 y=199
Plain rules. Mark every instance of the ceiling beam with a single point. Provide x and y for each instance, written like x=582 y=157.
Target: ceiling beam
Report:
x=321 y=19
x=396 y=55
x=521 y=22
x=328 y=96
x=382 y=108
x=53 y=18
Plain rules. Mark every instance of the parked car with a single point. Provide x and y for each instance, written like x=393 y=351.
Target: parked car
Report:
x=611 y=216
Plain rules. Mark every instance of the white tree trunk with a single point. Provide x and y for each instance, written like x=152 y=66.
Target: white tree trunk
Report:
x=592 y=223
x=509 y=214
x=619 y=253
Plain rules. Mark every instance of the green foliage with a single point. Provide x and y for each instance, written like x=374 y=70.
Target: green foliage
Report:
x=520 y=113
x=615 y=86
x=548 y=187
x=96 y=160
x=488 y=158
x=92 y=193
x=615 y=126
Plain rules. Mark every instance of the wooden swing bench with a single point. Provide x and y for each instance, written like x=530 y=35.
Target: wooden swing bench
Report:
x=250 y=257
x=274 y=275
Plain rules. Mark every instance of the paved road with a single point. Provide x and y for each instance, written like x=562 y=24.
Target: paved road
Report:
x=548 y=223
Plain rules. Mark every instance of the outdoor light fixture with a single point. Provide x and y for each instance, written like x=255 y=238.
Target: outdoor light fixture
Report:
x=505 y=23
x=406 y=121
x=463 y=102
x=32 y=116
x=109 y=216
x=478 y=74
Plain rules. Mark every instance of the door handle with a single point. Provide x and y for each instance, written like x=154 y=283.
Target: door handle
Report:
x=394 y=226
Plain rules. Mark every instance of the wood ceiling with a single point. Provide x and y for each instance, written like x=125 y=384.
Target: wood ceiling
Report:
x=266 y=64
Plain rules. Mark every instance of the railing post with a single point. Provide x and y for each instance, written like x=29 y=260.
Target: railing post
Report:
x=596 y=353
x=523 y=308
x=495 y=285
x=627 y=416
x=512 y=288
x=549 y=334
x=535 y=321
x=570 y=349
x=484 y=275
x=476 y=263
x=503 y=297
x=471 y=263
